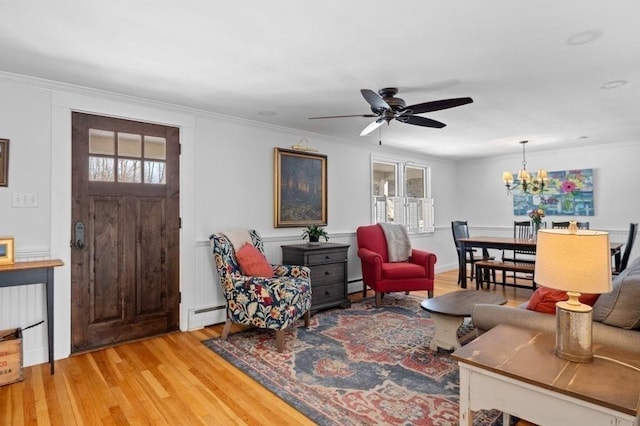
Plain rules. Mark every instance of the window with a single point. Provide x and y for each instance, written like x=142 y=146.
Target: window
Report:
x=400 y=194
x=126 y=158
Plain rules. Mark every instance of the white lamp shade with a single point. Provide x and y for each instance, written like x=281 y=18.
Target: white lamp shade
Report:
x=579 y=262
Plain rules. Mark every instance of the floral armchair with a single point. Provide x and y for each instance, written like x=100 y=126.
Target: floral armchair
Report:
x=274 y=303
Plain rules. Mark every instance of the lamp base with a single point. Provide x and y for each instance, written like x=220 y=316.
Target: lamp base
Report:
x=573 y=332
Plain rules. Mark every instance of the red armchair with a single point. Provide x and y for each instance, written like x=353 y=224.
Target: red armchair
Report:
x=384 y=276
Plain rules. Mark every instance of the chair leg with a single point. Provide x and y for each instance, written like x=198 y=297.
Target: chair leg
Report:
x=406 y=293
x=226 y=329
x=364 y=290
x=307 y=318
x=378 y=299
x=280 y=340
x=429 y=294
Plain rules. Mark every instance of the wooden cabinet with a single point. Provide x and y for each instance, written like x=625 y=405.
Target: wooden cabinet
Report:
x=328 y=264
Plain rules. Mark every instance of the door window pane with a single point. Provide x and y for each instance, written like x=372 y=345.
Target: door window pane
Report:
x=155 y=148
x=101 y=169
x=101 y=142
x=154 y=172
x=129 y=171
x=129 y=145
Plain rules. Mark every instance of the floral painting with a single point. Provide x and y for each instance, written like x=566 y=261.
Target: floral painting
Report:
x=567 y=193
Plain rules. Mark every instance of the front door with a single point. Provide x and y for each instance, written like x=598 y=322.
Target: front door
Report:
x=125 y=230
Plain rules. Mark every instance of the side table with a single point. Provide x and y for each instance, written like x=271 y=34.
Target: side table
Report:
x=514 y=370
x=34 y=272
x=328 y=264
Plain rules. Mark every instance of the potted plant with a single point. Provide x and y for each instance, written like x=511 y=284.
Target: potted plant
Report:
x=314 y=232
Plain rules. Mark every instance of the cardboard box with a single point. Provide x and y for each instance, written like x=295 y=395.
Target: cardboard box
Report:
x=10 y=356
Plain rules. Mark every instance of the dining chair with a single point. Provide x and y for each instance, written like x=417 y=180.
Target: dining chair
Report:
x=565 y=225
x=631 y=238
x=460 y=229
x=522 y=230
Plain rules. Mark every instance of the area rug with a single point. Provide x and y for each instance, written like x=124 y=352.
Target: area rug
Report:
x=357 y=366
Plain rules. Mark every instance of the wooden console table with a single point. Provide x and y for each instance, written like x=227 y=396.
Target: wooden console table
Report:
x=34 y=272
x=514 y=370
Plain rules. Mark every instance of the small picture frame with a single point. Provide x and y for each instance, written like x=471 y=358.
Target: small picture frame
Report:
x=4 y=162
x=6 y=251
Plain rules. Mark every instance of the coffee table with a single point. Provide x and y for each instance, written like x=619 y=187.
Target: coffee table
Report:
x=449 y=311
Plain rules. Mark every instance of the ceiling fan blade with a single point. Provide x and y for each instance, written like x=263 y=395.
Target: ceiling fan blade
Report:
x=420 y=121
x=438 y=105
x=371 y=127
x=375 y=100
x=344 y=116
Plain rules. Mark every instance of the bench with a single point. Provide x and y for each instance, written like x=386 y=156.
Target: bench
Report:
x=484 y=266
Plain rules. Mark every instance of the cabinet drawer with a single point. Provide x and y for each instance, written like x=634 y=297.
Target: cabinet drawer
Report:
x=327 y=293
x=327 y=274
x=328 y=257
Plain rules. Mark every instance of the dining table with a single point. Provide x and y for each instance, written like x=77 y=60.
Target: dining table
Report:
x=509 y=243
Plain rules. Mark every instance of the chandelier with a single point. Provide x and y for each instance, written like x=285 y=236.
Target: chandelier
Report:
x=528 y=183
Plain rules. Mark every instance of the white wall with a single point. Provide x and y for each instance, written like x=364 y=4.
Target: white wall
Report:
x=226 y=181
x=483 y=200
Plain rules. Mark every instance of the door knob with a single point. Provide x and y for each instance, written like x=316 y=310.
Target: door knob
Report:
x=78 y=240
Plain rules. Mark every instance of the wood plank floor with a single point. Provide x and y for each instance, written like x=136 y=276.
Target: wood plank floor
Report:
x=171 y=379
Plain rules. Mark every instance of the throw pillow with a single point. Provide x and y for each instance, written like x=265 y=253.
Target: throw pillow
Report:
x=253 y=263
x=544 y=299
x=620 y=307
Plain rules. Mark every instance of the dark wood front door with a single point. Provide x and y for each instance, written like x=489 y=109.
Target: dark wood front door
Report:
x=125 y=230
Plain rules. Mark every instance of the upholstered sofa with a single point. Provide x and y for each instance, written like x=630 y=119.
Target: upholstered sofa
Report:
x=616 y=315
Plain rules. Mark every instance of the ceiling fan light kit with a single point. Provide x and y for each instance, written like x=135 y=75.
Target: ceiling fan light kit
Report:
x=528 y=183
x=386 y=107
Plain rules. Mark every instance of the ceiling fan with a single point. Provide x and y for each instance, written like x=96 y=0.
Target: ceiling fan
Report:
x=386 y=107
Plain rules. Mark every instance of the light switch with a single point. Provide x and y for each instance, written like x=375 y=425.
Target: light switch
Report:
x=17 y=200
x=21 y=200
x=31 y=200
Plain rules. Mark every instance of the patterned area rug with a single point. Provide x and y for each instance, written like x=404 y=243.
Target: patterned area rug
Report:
x=357 y=366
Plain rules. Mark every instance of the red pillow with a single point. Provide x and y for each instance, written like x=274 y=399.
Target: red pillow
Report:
x=544 y=300
x=253 y=263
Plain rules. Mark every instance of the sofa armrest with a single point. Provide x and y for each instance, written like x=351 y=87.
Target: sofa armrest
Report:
x=369 y=256
x=426 y=259
x=485 y=317
x=294 y=271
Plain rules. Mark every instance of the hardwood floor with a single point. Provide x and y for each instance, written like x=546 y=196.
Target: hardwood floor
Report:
x=171 y=379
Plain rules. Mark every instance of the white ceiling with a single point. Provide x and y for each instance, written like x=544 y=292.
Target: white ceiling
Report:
x=533 y=68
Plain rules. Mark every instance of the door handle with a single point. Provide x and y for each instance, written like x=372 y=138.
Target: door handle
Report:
x=78 y=239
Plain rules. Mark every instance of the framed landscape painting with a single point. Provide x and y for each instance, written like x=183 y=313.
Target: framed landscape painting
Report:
x=300 y=188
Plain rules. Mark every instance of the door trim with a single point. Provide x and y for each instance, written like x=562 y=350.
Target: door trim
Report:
x=63 y=104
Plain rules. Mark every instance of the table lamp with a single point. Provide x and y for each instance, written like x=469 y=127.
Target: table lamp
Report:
x=576 y=262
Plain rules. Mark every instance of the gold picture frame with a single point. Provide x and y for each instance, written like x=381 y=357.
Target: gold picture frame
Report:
x=4 y=162
x=300 y=188
x=7 y=251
